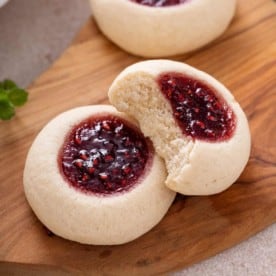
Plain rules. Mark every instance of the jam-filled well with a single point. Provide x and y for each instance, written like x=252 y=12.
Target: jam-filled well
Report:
x=104 y=155
x=199 y=111
x=159 y=3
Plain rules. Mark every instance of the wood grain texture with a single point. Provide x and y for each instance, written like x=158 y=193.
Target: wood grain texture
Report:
x=195 y=228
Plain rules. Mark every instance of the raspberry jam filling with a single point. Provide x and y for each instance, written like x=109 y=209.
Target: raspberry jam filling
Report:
x=104 y=155
x=159 y=3
x=198 y=110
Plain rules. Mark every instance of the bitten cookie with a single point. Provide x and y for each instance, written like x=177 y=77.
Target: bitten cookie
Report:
x=92 y=177
x=162 y=28
x=195 y=123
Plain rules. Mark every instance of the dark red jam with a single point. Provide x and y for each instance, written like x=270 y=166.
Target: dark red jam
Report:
x=104 y=155
x=198 y=110
x=159 y=3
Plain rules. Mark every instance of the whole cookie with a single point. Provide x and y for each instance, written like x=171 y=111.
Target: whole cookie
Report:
x=162 y=28
x=195 y=123
x=92 y=177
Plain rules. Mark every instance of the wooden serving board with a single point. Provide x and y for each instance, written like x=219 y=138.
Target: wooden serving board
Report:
x=195 y=228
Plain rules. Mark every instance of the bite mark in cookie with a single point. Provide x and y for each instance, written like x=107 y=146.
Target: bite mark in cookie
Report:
x=195 y=123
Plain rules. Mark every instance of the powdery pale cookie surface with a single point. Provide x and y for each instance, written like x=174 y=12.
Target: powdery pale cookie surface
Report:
x=90 y=219
x=195 y=167
x=3 y=2
x=162 y=31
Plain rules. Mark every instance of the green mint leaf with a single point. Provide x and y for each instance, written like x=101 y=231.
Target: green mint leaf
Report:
x=3 y=95
x=8 y=84
x=17 y=96
x=10 y=97
x=6 y=110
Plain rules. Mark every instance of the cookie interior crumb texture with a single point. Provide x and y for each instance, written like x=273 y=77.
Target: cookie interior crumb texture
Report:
x=195 y=167
x=86 y=217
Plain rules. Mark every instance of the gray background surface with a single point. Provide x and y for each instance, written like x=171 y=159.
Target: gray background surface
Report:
x=33 y=33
